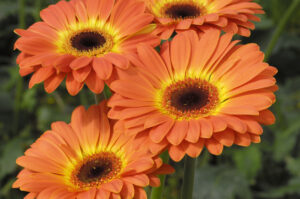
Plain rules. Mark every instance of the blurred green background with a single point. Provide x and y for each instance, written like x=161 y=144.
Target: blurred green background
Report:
x=267 y=170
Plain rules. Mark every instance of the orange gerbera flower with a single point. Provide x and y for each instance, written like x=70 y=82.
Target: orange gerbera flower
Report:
x=228 y=15
x=197 y=92
x=85 y=159
x=82 y=40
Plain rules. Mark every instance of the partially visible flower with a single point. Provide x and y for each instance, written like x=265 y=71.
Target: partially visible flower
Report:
x=200 y=91
x=86 y=159
x=179 y=15
x=83 y=40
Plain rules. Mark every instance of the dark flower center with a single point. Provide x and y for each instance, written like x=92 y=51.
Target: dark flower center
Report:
x=85 y=41
x=191 y=98
x=96 y=170
x=182 y=11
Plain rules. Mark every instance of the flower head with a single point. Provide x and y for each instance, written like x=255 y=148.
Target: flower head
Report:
x=202 y=90
x=86 y=159
x=82 y=40
x=179 y=15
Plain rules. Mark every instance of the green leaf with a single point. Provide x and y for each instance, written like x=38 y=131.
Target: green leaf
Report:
x=293 y=187
x=29 y=99
x=248 y=162
x=286 y=140
x=215 y=182
x=12 y=150
x=293 y=165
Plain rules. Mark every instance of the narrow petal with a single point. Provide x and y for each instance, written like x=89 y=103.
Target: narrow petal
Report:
x=213 y=146
x=102 y=68
x=178 y=132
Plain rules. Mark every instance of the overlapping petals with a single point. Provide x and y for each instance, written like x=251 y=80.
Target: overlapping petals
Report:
x=71 y=161
x=202 y=90
x=83 y=41
x=179 y=15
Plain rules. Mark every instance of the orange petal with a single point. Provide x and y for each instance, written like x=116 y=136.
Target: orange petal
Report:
x=217 y=123
x=138 y=166
x=177 y=152
x=235 y=123
x=154 y=181
x=156 y=119
x=141 y=91
x=206 y=128
x=193 y=133
x=255 y=138
x=153 y=62
x=91 y=128
x=266 y=117
x=184 y=24
x=164 y=169
x=118 y=60
x=242 y=139
x=140 y=180
x=87 y=194
x=94 y=83
x=213 y=146
x=80 y=62
x=72 y=85
x=53 y=82
x=157 y=134
x=226 y=137
x=194 y=149
x=102 y=194
x=167 y=33
x=140 y=193
x=81 y=74
x=114 y=186
x=178 y=132
x=41 y=75
x=234 y=109
x=157 y=148
x=102 y=68
x=127 y=191
x=180 y=53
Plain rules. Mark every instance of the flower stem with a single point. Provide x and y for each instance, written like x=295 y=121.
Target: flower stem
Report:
x=280 y=28
x=19 y=83
x=157 y=192
x=105 y=95
x=98 y=98
x=188 y=179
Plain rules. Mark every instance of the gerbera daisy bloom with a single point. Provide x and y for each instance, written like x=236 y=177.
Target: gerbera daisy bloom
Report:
x=228 y=15
x=85 y=159
x=82 y=40
x=202 y=90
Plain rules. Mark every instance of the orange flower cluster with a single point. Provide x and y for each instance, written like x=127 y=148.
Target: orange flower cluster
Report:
x=200 y=90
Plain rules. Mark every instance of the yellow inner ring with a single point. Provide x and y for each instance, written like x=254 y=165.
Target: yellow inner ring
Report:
x=64 y=45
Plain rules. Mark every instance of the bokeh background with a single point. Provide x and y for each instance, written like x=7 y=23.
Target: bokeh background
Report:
x=269 y=170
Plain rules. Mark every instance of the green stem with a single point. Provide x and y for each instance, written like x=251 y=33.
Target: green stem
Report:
x=188 y=179
x=59 y=101
x=19 y=84
x=37 y=5
x=157 y=192
x=280 y=28
x=98 y=98
x=105 y=95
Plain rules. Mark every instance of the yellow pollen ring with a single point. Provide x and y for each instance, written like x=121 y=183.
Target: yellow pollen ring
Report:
x=103 y=29
x=160 y=7
x=213 y=92
x=85 y=174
